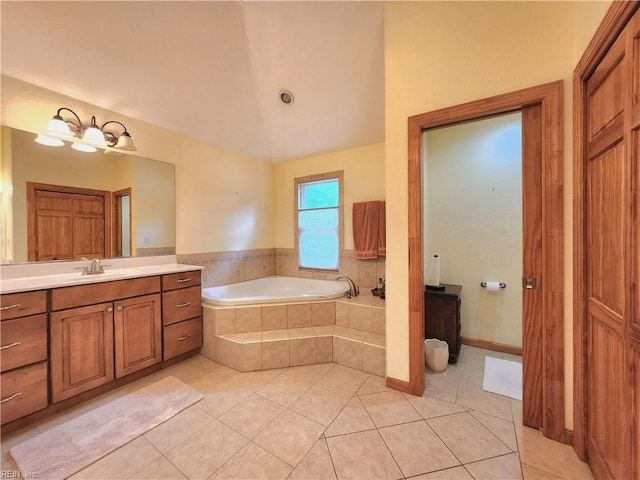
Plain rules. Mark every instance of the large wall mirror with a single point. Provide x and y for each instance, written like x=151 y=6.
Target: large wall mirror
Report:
x=61 y=204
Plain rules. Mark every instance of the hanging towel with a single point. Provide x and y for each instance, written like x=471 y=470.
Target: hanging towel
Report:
x=382 y=229
x=369 y=239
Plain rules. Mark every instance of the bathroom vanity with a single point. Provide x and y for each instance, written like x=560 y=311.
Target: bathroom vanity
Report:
x=67 y=337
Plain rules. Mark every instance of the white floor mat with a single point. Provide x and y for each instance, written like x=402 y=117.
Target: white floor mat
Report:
x=503 y=377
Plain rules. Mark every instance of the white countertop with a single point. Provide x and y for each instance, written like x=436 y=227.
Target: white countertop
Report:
x=40 y=276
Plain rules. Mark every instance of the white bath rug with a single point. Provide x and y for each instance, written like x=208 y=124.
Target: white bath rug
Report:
x=503 y=377
x=73 y=445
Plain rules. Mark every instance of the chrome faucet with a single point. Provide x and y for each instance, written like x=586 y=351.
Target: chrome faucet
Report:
x=353 y=290
x=94 y=268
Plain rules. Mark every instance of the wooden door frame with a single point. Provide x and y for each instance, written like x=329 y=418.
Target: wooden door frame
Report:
x=614 y=21
x=32 y=187
x=116 y=221
x=549 y=97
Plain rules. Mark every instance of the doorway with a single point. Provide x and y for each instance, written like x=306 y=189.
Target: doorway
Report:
x=543 y=315
x=122 y=222
x=473 y=221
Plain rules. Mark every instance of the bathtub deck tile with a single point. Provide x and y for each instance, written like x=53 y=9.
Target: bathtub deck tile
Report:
x=251 y=357
x=375 y=339
x=323 y=313
x=324 y=349
x=275 y=335
x=324 y=331
x=275 y=354
x=302 y=351
x=298 y=315
x=248 y=319
x=302 y=332
x=274 y=317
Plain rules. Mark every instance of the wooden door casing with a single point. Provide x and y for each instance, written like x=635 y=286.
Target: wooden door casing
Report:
x=532 y=302
x=548 y=326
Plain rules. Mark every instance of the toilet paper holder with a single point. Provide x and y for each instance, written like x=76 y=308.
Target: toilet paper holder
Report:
x=484 y=285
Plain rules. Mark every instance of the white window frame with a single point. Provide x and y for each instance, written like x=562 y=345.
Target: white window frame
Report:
x=338 y=175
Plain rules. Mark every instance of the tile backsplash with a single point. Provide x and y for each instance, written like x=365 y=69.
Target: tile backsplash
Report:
x=221 y=268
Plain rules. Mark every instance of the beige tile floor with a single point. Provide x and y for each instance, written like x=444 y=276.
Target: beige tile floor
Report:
x=328 y=421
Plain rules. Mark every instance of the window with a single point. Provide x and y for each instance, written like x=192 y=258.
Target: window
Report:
x=318 y=200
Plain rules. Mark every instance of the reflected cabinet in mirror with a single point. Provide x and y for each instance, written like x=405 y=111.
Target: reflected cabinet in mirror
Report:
x=61 y=204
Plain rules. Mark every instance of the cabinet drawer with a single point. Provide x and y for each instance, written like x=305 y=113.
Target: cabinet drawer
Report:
x=179 y=305
x=14 y=305
x=182 y=337
x=174 y=281
x=71 y=297
x=24 y=341
x=24 y=391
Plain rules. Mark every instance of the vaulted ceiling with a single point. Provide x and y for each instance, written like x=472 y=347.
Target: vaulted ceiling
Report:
x=213 y=70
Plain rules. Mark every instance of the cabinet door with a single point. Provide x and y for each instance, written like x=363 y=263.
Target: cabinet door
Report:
x=138 y=334
x=81 y=350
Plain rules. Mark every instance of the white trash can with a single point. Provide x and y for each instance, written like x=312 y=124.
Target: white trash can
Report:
x=436 y=354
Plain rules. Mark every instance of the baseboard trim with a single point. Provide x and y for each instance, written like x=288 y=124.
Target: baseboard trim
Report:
x=568 y=437
x=399 y=385
x=495 y=347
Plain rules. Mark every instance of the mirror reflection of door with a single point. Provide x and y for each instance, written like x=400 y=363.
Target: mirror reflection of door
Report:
x=67 y=223
x=122 y=222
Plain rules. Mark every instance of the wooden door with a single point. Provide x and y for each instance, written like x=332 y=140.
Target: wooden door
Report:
x=81 y=343
x=138 y=334
x=67 y=223
x=612 y=270
x=53 y=235
x=532 y=301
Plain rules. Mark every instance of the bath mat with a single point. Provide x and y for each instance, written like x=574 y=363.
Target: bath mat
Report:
x=73 y=445
x=503 y=377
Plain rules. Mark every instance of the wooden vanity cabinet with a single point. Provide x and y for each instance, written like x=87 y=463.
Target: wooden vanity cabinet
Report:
x=181 y=313
x=23 y=354
x=94 y=344
x=70 y=340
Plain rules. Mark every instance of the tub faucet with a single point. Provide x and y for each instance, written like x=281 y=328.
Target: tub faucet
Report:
x=353 y=290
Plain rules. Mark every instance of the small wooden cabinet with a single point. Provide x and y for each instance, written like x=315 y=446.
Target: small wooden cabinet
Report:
x=23 y=354
x=181 y=313
x=442 y=317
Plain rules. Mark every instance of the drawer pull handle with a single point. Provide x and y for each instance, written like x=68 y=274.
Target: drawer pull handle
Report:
x=180 y=305
x=10 y=307
x=183 y=280
x=14 y=344
x=184 y=337
x=15 y=395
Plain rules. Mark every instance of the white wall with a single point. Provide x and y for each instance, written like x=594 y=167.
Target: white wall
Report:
x=474 y=204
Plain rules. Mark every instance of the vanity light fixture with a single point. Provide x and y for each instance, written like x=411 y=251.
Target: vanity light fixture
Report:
x=84 y=138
